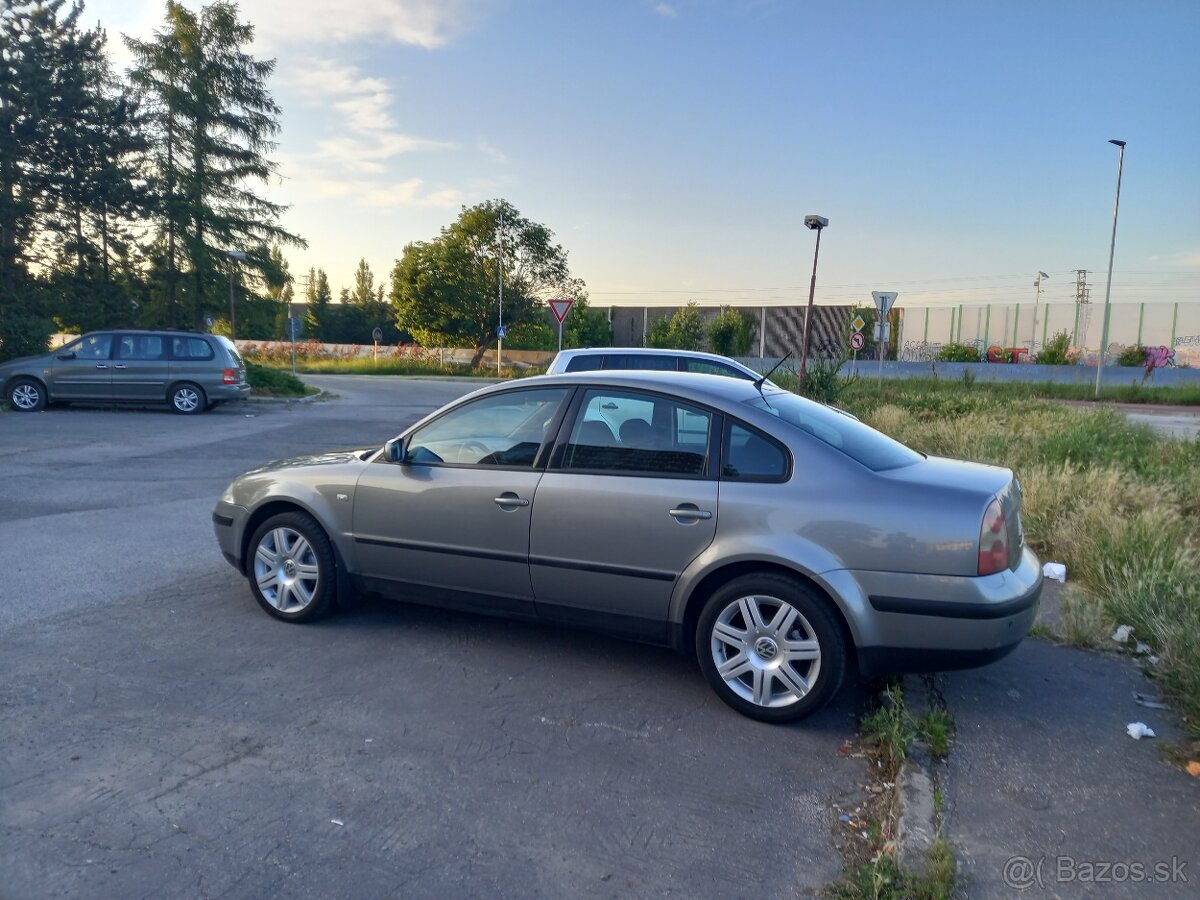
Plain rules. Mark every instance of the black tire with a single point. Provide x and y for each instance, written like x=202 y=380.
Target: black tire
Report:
x=26 y=395
x=279 y=564
x=760 y=680
x=187 y=399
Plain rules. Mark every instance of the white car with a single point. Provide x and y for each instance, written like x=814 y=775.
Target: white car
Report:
x=625 y=358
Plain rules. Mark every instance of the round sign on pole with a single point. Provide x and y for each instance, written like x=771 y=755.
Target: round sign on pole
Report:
x=857 y=341
x=377 y=335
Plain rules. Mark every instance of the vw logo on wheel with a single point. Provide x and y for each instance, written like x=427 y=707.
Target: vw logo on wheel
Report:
x=765 y=647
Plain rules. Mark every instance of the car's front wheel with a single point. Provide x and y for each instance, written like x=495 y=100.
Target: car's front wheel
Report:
x=188 y=399
x=292 y=571
x=26 y=395
x=770 y=647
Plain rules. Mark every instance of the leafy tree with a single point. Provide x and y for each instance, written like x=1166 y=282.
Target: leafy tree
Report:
x=445 y=290
x=660 y=336
x=317 y=297
x=364 y=285
x=213 y=120
x=683 y=331
x=586 y=327
x=731 y=332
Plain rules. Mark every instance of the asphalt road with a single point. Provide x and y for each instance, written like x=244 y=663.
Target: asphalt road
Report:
x=165 y=738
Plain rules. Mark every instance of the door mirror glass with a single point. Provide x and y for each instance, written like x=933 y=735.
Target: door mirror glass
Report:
x=394 y=450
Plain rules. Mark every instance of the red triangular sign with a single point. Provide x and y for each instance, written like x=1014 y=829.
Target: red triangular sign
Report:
x=560 y=308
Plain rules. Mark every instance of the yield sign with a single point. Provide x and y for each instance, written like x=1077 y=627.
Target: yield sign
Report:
x=560 y=308
x=884 y=300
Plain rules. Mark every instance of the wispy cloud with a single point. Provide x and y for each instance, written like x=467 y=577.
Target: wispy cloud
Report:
x=364 y=140
x=666 y=10
x=422 y=23
x=1185 y=259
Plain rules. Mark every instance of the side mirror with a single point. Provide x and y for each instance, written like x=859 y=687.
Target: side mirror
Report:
x=394 y=450
x=68 y=355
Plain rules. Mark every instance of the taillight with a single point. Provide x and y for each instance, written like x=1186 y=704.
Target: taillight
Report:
x=229 y=376
x=993 y=541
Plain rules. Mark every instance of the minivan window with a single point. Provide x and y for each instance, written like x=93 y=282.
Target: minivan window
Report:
x=860 y=442
x=589 y=363
x=90 y=346
x=191 y=348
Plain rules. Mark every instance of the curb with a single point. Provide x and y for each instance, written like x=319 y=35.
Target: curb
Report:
x=292 y=401
x=916 y=811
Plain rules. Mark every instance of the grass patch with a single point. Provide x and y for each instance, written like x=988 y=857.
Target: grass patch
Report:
x=1182 y=395
x=268 y=382
x=1117 y=503
x=886 y=735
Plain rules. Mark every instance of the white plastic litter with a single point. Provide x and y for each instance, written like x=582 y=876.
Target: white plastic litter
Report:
x=340 y=822
x=1141 y=648
x=1056 y=571
x=1139 y=730
x=1121 y=635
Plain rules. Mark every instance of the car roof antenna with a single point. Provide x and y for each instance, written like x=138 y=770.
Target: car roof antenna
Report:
x=762 y=380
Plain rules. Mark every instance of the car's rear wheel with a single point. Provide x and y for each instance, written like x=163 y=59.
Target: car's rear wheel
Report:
x=187 y=399
x=770 y=647
x=292 y=571
x=26 y=395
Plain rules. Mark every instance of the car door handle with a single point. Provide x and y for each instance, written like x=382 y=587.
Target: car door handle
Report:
x=690 y=513
x=118 y=366
x=101 y=366
x=509 y=499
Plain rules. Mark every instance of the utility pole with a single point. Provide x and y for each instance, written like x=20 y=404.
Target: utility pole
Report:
x=1082 y=293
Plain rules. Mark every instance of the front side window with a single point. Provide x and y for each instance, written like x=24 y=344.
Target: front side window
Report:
x=633 y=433
x=90 y=346
x=498 y=430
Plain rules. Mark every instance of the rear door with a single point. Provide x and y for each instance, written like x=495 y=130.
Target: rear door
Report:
x=139 y=367
x=621 y=513
x=82 y=369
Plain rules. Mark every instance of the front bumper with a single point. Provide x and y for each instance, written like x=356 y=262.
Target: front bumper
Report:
x=227 y=521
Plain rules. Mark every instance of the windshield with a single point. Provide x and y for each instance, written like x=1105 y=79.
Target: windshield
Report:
x=860 y=442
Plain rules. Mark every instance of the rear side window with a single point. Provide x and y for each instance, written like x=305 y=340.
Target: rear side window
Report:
x=706 y=367
x=231 y=349
x=749 y=455
x=191 y=348
x=589 y=363
x=630 y=433
x=141 y=346
x=648 y=362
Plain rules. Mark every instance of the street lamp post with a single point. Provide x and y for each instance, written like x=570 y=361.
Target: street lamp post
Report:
x=1037 y=283
x=1112 y=245
x=817 y=224
x=233 y=256
x=500 y=295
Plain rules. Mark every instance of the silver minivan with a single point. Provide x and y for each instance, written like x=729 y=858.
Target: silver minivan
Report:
x=188 y=370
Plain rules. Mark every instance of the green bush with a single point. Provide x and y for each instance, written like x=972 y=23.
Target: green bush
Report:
x=268 y=382
x=22 y=335
x=1132 y=356
x=1057 y=352
x=953 y=352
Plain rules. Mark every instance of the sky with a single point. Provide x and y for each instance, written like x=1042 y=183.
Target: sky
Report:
x=675 y=146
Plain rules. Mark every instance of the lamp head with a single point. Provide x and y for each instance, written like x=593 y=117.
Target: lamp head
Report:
x=816 y=223
x=1118 y=143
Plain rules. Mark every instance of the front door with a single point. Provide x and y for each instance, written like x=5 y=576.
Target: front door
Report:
x=82 y=369
x=449 y=525
x=630 y=501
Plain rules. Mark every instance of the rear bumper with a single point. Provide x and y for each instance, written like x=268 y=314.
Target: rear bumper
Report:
x=223 y=392
x=922 y=623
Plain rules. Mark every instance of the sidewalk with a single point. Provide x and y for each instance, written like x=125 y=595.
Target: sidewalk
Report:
x=1042 y=769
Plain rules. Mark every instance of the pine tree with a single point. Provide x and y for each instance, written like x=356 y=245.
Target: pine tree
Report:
x=214 y=121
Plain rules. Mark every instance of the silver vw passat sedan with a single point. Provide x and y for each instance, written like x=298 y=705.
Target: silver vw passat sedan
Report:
x=781 y=542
